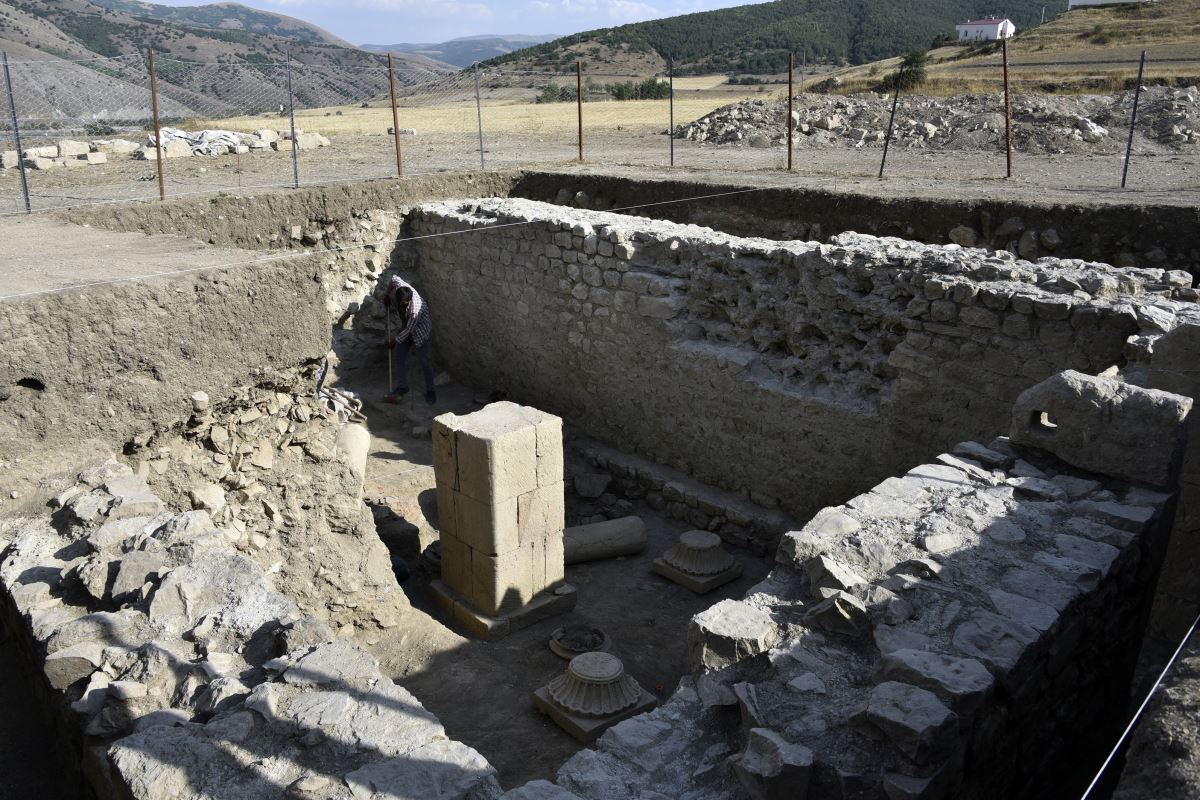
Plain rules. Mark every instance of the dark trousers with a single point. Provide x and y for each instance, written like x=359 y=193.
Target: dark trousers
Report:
x=424 y=355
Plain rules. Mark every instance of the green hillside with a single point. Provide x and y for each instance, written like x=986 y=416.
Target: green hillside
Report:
x=757 y=38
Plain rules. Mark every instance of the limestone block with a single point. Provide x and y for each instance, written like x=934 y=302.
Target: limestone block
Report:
x=826 y=573
x=487 y=528
x=771 y=768
x=45 y=151
x=539 y=790
x=961 y=682
x=123 y=147
x=65 y=667
x=542 y=512
x=133 y=571
x=994 y=640
x=267 y=135
x=38 y=162
x=504 y=582
x=71 y=149
x=177 y=148
x=1105 y=426
x=913 y=719
x=94 y=158
x=555 y=556
x=456 y=565
x=440 y=770
x=9 y=159
x=728 y=632
x=495 y=452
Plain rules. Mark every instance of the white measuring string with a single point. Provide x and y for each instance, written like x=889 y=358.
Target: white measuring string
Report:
x=1138 y=714
x=278 y=257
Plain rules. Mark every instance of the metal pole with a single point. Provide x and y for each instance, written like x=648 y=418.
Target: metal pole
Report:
x=671 y=104
x=292 y=116
x=579 y=102
x=887 y=140
x=158 y=148
x=791 y=105
x=12 y=109
x=1137 y=94
x=1007 y=110
x=395 y=118
x=479 y=116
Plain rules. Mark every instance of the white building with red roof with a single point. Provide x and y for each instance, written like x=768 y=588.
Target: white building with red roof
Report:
x=981 y=30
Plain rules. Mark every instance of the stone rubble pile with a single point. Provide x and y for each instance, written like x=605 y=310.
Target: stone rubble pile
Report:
x=1041 y=123
x=185 y=672
x=176 y=144
x=265 y=466
x=961 y=631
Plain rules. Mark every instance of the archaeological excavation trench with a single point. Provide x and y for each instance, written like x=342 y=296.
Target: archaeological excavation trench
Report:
x=837 y=496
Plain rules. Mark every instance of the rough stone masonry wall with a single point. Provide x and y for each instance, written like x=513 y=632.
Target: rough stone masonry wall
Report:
x=965 y=630
x=180 y=670
x=787 y=371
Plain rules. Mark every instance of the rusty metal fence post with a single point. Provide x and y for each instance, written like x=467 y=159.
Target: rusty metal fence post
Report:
x=292 y=116
x=395 y=118
x=12 y=110
x=887 y=140
x=479 y=116
x=671 y=106
x=579 y=102
x=1137 y=95
x=158 y=148
x=791 y=105
x=1007 y=110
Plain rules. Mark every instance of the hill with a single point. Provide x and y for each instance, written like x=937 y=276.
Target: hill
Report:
x=1084 y=50
x=203 y=70
x=465 y=51
x=757 y=38
x=227 y=16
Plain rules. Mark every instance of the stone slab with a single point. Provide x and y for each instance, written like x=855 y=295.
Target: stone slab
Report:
x=588 y=729
x=547 y=604
x=700 y=584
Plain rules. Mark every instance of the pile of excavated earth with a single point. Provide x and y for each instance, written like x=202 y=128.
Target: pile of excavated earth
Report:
x=1041 y=123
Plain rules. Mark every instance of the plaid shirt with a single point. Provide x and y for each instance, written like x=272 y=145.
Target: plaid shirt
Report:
x=417 y=323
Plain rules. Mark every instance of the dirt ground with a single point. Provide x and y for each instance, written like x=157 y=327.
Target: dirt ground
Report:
x=1155 y=174
x=42 y=254
x=481 y=691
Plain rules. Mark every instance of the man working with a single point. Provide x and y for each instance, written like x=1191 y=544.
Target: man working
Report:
x=409 y=325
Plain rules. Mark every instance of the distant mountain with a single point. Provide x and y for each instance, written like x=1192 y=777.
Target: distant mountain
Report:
x=465 y=51
x=228 y=16
x=202 y=70
x=758 y=38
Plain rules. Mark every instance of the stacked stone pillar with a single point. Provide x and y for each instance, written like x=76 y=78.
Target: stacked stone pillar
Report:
x=501 y=516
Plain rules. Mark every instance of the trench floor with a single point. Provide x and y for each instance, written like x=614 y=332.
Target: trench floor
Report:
x=482 y=691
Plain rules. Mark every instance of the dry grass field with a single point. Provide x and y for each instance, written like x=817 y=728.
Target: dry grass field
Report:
x=696 y=98
x=1085 y=50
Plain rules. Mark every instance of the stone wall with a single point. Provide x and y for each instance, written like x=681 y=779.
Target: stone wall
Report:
x=966 y=630
x=800 y=372
x=178 y=669
x=1163 y=236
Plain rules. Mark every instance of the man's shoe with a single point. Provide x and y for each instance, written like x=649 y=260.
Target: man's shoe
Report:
x=394 y=396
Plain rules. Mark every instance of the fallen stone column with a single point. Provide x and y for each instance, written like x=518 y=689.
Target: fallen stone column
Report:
x=625 y=536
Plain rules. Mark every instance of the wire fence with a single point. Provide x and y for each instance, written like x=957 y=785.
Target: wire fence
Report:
x=87 y=128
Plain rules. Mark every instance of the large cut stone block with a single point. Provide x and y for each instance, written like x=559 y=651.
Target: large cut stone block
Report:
x=502 y=583
x=728 y=632
x=556 y=571
x=488 y=528
x=1105 y=426
x=495 y=452
x=542 y=512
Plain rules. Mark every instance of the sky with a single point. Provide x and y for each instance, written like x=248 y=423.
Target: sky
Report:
x=401 y=21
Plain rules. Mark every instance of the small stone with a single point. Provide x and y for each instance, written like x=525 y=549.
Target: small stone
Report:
x=808 y=683
x=728 y=632
x=914 y=719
